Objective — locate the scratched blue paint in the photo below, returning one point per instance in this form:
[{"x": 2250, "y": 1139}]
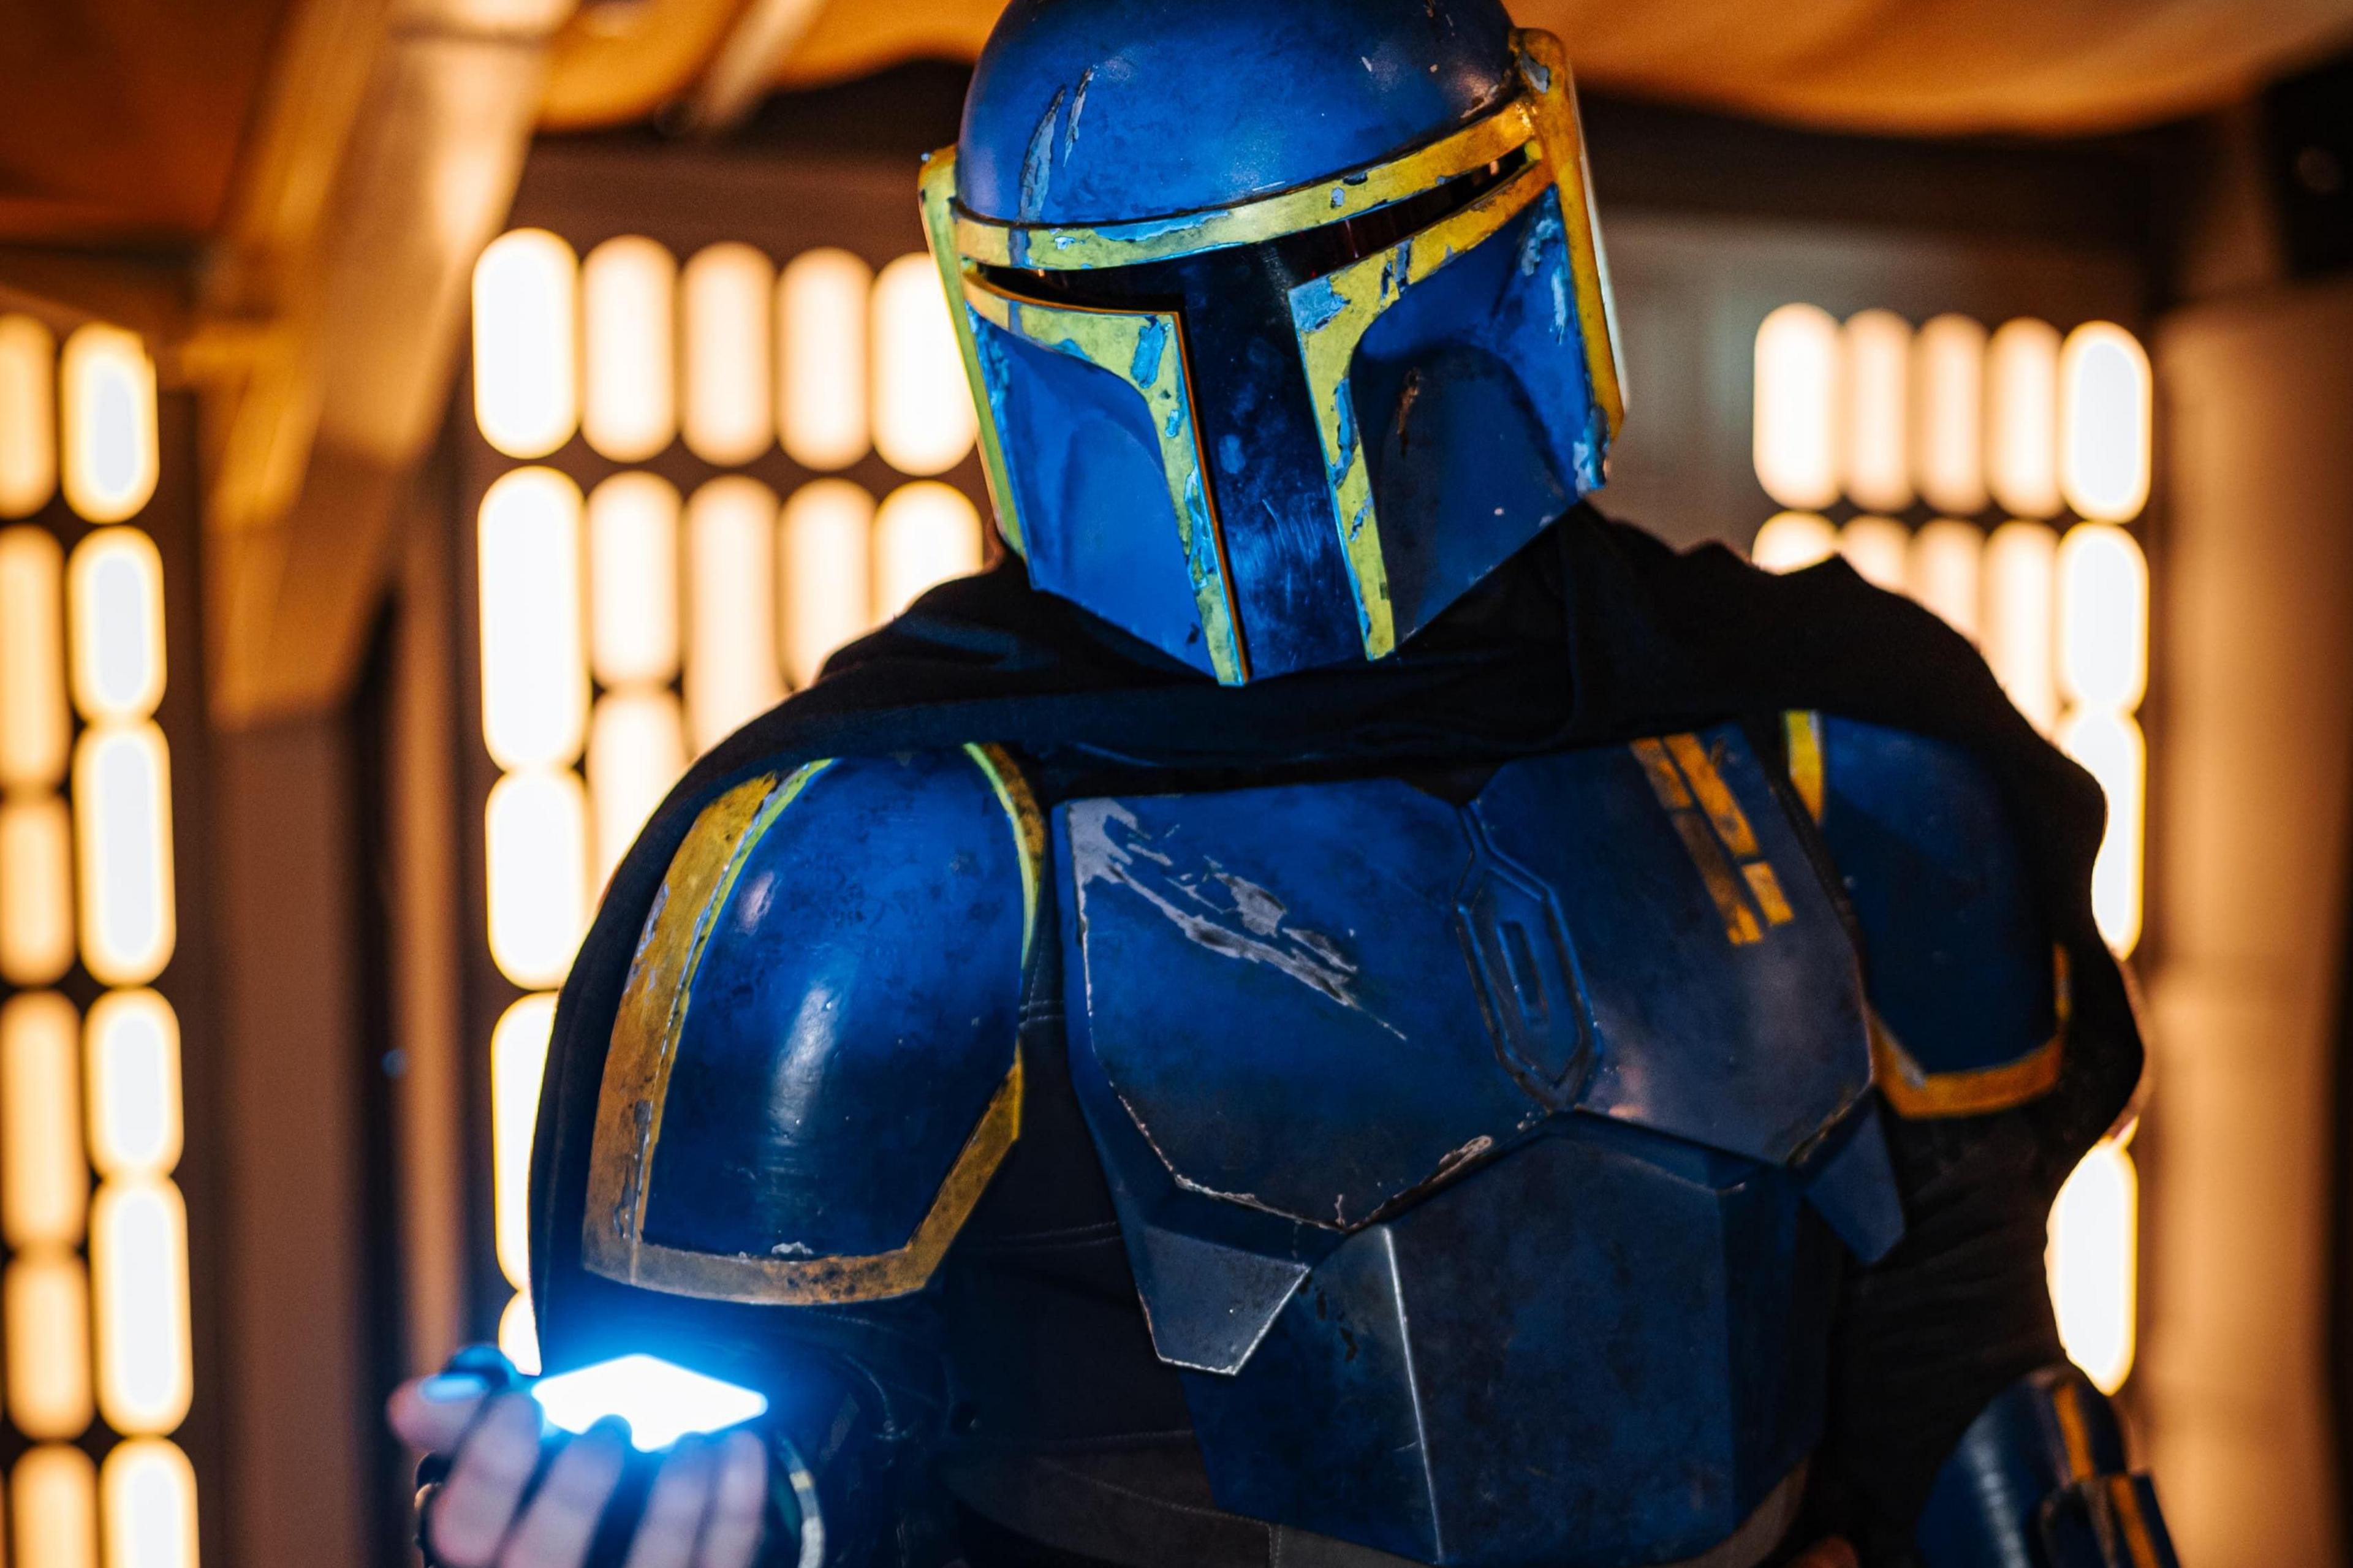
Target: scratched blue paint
[
  {"x": 1315, "y": 305},
  {"x": 1144, "y": 369},
  {"x": 1038, "y": 163},
  {"x": 1958, "y": 956},
  {"x": 766, "y": 1092},
  {"x": 1586, "y": 1171},
  {"x": 1202, "y": 110}
]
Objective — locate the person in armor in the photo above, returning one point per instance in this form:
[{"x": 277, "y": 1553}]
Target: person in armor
[{"x": 1334, "y": 1009}]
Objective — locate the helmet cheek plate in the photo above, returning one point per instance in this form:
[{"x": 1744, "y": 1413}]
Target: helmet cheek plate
[{"x": 1288, "y": 432}]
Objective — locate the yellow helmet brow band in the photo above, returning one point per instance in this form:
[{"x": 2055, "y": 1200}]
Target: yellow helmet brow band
[
  {"x": 936, "y": 194},
  {"x": 1051, "y": 249}
]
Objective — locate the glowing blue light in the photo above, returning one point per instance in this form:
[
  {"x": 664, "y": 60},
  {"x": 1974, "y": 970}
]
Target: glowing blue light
[{"x": 660, "y": 1401}]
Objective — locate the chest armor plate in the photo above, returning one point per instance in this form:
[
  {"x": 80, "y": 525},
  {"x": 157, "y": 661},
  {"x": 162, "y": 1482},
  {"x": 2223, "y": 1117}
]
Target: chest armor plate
[{"x": 1465, "y": 1153}]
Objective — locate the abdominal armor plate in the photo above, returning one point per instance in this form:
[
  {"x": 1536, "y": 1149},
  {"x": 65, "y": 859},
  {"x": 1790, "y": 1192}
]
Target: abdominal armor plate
[{"x": 1483, "y": 1165}]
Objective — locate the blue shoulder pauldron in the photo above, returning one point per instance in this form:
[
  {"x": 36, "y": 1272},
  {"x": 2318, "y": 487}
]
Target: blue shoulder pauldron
[
  {"x": 813, "y": 1072},
  {"x": 1968, "y": 992}
]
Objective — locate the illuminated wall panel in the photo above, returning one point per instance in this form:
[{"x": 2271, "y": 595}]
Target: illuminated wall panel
[
  {"x": 1879, "y": 549},
  {"x": 526, "y": 364},
  {"x": 1944, "y": 573},
  {"x": 1877, "y": 398},
  {"x": 924, "y": 533},
  {"x": 534, "y": 681},
  {"x": 94, "y": 1292},
  {"x": 2023, "y": 418},
  {"x": 518, "y": 1058},
  {"x": 827, "y": 560},
  {"x": 1948, "y": 415},
  {"x": 732, "y": 674},
  {"x": 924, "y": 421},
  {"x": 727, "y": 294},
  {"x": 2107, "y": 396},
  {"x": 537, "y": 828},
  {"x": 633, "y": 581},
  {"x": 2020, "y": 601},
  {"x": 1792, "y": 540},
  {"x": 629, "y": 408},
  {"x": 822, "y": 300},
  {"x": 1799, "y": 365},
  {"x": 637, "y": 749}
]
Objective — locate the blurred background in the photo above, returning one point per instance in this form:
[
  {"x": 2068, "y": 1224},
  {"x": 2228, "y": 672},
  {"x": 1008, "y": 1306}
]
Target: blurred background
[{"x": 426, "y": 424}]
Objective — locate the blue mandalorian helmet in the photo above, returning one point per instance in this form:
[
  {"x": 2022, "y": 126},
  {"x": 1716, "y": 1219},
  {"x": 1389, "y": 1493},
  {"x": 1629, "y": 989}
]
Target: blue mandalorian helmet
[{"x": 1286, "y": 319}]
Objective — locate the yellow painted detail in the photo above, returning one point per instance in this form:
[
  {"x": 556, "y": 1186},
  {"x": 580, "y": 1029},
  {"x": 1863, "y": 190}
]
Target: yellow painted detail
[
  {"x": 1560, "y": 129},
  {"x": 1714, "y": 795},
  {"x": 1740, "y": 927},
  {"x": 651, "y": 1020},
  {"x": 1109, "y": 341},
  {"x": 1767, "y": 886},
  {"x": 1005, "y": 776},
  {"x": 1918, "y": 1095},
  {"x": 2074, "y": 1436},
  {"x": 2125, "y": 1498},
  {"x": 936, "y": 188},
  {"x": 1665, "y": 782},
  {"x": 1805, "y": 732},
  {"x": 1362, "y": 291},
  {"x": 819, "y": 1281},
  {"x": 1049, "y": 249}
]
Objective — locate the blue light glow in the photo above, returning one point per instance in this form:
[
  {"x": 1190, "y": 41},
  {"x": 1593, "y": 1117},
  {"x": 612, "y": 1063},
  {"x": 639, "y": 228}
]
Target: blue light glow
[{"x": 660, "y": 1401}]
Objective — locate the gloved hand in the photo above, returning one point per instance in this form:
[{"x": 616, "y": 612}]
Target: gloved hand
[{"x": 496, "y": 1493}]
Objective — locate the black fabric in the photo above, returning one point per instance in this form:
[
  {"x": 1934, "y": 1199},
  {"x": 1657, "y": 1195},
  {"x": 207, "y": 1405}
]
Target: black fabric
[{"x": 1595, "y": 633}]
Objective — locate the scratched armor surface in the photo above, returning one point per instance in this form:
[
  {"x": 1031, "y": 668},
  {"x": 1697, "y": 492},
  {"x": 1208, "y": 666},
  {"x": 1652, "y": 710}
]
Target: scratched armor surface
[{"x": 1482, "y": 1164}]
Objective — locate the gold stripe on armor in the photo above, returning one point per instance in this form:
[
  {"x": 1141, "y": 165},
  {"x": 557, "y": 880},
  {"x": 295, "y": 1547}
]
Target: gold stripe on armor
[{"x": 1805, "y": 733}]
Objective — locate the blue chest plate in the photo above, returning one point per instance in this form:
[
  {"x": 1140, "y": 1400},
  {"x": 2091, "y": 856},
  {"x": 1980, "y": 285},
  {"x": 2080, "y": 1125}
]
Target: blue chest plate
[{"x": 1463, "y": 1152}]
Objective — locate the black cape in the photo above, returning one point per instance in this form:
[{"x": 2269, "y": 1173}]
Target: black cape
[{"x": 1611, "y": 635}]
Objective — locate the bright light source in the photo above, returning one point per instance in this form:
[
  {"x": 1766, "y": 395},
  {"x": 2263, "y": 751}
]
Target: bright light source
[
  {"x": 526, "y": 330},
  {"x": 730, "y": 657},
  {"x": 36, "y": 922},
  {"x": 924, "y": 421},
  {"x": 821, "y": 307},
  {"x": 519, "y": 1335},
  {"x": 2092, "y": 1262},
  {"x": 2110, "y": 748},
  {"x": 122, "y": 828},
  {"x": 28, "y": 416},
  {"x": 534, "y": 677},
  {"x": 661, "y": 1403},
  {"x": 109, "y": 387},
  {"x": 924, "y": 533},
  {"x": 827, "y": 591},
  {"x": 2020, "y": 567},
  {"x": 114, "y": 589},
  {"x": 2022, "y": 417},
  {"x": 1877, "y": 393},
  {"x": 1942, "y": 572},
  {"x": 1878, "y": 548},
  {"x": 637, "y": 750},
  {"x": 633, "y": 581},
  {"x": 1791, "y": 541},
  {"x": 48, "y": 1310},
  {"x": 628, "y": 406},
  {"x": 1798, "y": 366},
  {"x": 1948, "y": 415},
  {"x": 518, "y": 1058},
  {"x": 2105, "y": 395},
  {"x": 134, "y": 1084},
  {"x": 139, "y": 1264},
  {"x": 43, "y": 1185},
  {"x": 536, "y": 827},
  {"x": 34, "y": 729},
  {"x": 2103, "y": 618},
  {"x": 727, "y": 291},
  {"x": 53, "y": 1504},
  {"x": 147, "y": 1496}
]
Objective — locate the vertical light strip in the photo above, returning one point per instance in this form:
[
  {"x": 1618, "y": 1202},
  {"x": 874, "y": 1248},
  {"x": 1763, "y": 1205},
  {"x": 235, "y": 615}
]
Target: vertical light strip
[
  {"x": 732, "y": 674},
  {"x": 518, "y": 1057},
  {"x": 28, "y": 416},
  {"x": 726, "y": 293},
  {"x": 2095, "y": 1266},
  {"x": 633, "y": 581},
  {"x": 37, "y": 917},
  {"x": 139, "y": 1268},
  {"x": 44, "y": 1181},
  {"x": 628, "y": 406},
  {"x": 826, "y": 557},
  {"x": 2102, "y": 670},
  {"x": 36, "y": 731},
  {"x": 822, "y": 302},
  {"x": 1798, "y": 397},
  {"x": 1944, "y": 573},
  {"x": 114, "y": 591},
  {"x": 536, "y": 863},
  {"x": 107, "y": 384},
  {"x": 924, "y": 533},
  {"x": 1948, "y": 415},
  {"x": 48, "y": 1306},
  {"x": 132, "y": 1064},
  {"x": 923, "y": 420},
  {"x": 534, "y": 681},
  {"x": 637, "y": 750},
  {"x": 147, "y": 1500},
  {"x": 2023, "y": 418},
  {"x": 2106, "y": 401},
  {"x": 1879, "y": 549},
  {"x": 1877, "y": 390},
  {"x": 2020, "y": 562},
  {"x": 53, "y": 1508},
  {"x": 526, "y": 342},
  {"x": 122, "y": 831}
]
